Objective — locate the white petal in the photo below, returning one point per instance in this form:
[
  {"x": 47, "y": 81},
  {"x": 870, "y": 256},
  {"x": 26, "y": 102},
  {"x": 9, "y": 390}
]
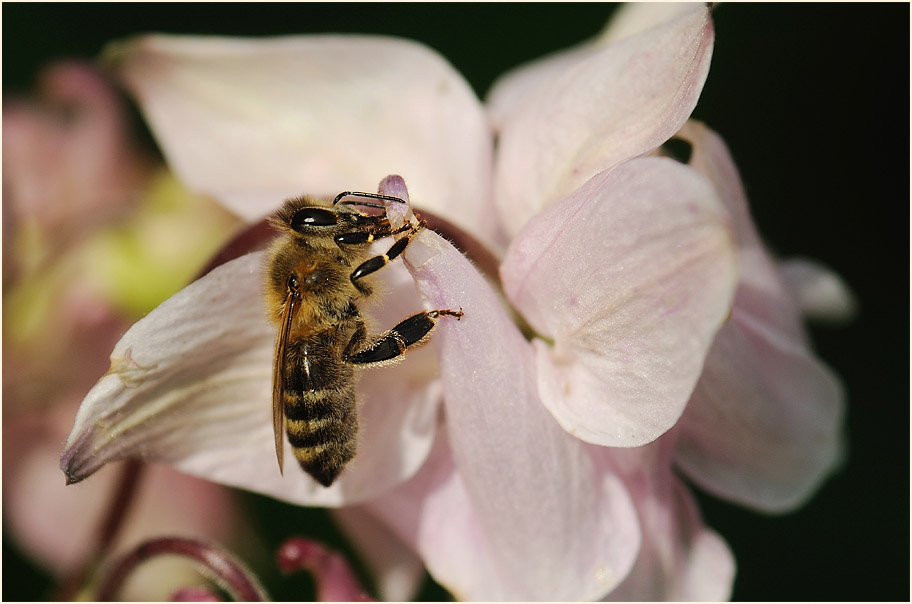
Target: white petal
[
  {"x": 190, "y": 385},
  {"x": 631, "y": 277},
  {"x": 253, "y": 121},
  {"x": 617, "y": 102}
]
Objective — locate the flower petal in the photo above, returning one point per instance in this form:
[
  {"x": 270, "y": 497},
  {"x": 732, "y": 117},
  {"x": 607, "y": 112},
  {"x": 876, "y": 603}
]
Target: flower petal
[
  {"x": 439, "y": 517},
  {"x": 620, "y": 101},
  {"x": 706, "y": 572},
  {"x": 764, "y": 426},
  {"x": 632, "y": 18},
  {"x": 190, "y": 385},
  {"x": 769, "y": 301},
  {"x": 257, "y": 120},
  {"x": 820, "y": 293},
  {"x": 514, "y": 88},
  {"x": 522, "y": 510},
  {"x": 680, "y": 559},
  {"x": 631, "y": 276}
]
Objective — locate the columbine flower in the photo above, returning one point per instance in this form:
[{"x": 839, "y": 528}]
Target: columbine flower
[{"x": 624, "y": 266}]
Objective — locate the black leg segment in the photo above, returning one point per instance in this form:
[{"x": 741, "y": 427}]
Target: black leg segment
[
  {"x": 369, "y": 233},
  {"x": 377, "y": 262},
  {"x": 410, "y": 332}
]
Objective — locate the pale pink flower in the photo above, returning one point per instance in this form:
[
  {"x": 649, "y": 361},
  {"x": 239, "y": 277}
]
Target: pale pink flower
[{"x": 499, "y": 473}]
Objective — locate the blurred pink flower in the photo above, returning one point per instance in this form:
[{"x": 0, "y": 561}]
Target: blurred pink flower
[
  {"x": 68, "y": 167},
  {"x": 71, "y": 173},
  {"x": 496, "y": 465},
  {"x": 69, "y": 163}
]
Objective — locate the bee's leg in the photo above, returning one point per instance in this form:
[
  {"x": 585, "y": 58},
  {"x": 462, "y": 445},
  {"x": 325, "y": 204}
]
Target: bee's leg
[
  {"x": 357, "y": 341},
  {"x": 370, "y": 232},
  {"x": 408, "y": 333},
  {"x": 374, "y": 264}
]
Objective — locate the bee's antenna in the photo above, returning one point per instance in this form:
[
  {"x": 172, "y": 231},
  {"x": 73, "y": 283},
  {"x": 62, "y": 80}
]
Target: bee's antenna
[{"x": 367, "y": 204}]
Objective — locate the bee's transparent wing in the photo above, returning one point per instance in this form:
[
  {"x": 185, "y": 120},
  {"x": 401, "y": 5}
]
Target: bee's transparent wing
[{"x": 278, "y": 379}]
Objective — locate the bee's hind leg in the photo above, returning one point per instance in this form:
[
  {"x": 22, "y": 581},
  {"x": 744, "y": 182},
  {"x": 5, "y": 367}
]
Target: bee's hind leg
[{"x": 408, "y": 333}]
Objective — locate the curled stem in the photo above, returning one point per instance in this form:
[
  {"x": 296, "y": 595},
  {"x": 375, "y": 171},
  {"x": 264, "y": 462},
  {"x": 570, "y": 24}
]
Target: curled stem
[
  {"x": 194, "y": 594},
  {"x": 217, "y": 564}
]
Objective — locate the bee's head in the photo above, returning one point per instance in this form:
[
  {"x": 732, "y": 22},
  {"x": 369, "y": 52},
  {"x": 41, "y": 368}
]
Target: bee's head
[{"x": 309, "y": 217}]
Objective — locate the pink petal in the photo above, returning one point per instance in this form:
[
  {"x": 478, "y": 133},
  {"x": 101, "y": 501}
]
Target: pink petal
[
  {"x": 706, "y": 572},
  {"x": 619, "y": 101},
  {"x": 530, "y": 513},
  {"x": 514, "y": 88},
  {"x": 680, "y": 559},
  {"x": 251, "y": 121},
  {"x": 764, "y": 426},
  {"x": 556, "y": 557},
  {"x": 820, "y": 293},
  {"x": 769, "y": 300},
  {"x": 632, "y": 18},
  {"x": 631, "y": 277},
  {"x": 190, "y": 385}
]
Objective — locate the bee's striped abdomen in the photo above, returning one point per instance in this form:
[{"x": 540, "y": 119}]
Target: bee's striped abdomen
[{"x": 320, "y": 410}]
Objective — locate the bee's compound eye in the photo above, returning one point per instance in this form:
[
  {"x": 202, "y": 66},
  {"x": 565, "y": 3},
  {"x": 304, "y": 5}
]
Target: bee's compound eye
[
  {"x": 306, "y": 217},
  {"x": 293, "y": 283}
]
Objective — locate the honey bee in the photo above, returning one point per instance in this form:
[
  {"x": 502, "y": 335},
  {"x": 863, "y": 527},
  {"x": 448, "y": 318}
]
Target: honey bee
[{"x": 316, "y": 276}]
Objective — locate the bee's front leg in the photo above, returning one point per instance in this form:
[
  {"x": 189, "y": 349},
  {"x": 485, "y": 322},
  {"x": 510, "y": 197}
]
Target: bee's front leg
[
  {"x": 369, "y": 230},
  {"x": 374, "y": 264}
]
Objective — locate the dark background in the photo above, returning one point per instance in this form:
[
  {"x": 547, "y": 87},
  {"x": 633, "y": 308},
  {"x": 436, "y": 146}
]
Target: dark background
[{"x": 813, "y": 101}]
